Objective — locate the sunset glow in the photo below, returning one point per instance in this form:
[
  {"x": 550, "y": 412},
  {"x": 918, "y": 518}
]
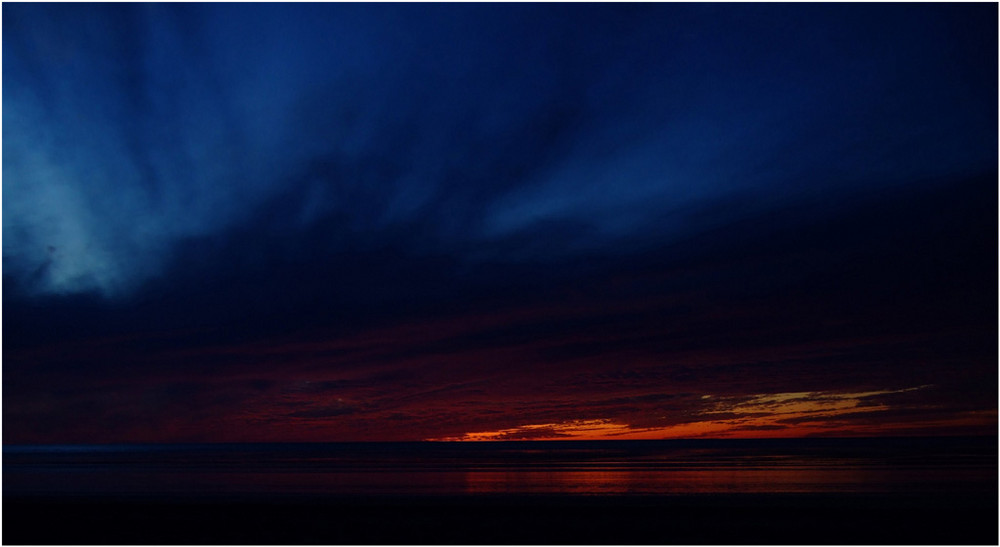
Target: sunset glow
[
  {"x": 769, "y": 415},
  {"x": 325, "y": 222}
]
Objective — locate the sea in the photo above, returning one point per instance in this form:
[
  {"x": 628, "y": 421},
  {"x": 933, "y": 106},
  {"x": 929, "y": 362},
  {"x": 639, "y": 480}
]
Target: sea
[
  {"x": 942, "y": 489},
  {"x": 521, "y": 467}
]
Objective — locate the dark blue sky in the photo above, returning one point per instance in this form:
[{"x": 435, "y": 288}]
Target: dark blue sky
[{"x": 195, "y": 176}]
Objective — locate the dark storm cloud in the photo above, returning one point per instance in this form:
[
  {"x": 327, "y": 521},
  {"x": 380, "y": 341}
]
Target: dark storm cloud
[{"x": 328, "y": 132}]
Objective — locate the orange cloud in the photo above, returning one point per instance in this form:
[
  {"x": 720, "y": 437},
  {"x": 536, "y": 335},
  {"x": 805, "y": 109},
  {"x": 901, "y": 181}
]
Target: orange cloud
[{"x": 762, "y": 415}]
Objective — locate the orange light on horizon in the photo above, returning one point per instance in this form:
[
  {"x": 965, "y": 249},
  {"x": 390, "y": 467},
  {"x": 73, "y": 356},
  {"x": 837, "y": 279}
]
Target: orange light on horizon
[{"x": 773, "y": 415}]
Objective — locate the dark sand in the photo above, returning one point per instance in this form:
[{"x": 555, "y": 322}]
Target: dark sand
[{"x": 498, "y": 519}]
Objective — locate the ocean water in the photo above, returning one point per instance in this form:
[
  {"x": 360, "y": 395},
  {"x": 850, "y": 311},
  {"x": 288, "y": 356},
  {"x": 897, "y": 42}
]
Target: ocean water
[{"x": 674, "y": 467}]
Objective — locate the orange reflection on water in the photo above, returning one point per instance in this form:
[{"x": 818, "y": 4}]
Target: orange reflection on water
[{"x": 668, "y": 481}]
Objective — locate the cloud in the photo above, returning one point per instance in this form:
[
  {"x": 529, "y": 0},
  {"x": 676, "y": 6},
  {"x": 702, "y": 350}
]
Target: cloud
[
  {"x": 133, "y": 130},
  {"x": 577, "y": 429},
  {"x": 778, "y": 414},
  {"x": 322, "y": 412},
  {"x": 496, "y": 218}
]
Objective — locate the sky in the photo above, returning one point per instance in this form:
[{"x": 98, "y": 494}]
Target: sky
[{"x": 395, "y": 222}]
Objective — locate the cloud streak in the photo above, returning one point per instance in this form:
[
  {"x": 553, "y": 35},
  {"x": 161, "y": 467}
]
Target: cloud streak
[{"x": 778, "y": 414}]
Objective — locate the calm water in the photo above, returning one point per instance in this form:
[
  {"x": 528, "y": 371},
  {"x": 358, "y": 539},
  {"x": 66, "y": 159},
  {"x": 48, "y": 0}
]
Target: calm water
[{"x": 585, "y": 468}]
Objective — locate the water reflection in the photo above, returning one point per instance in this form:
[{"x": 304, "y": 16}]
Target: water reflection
[
  {"x": 671, "y": 481},
  {"x": 535, "y": 468}
]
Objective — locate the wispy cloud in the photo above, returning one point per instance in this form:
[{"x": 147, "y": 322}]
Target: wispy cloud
[
  {"x": 134, "y": 129},
  {"x": 778, "y": 414}
]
